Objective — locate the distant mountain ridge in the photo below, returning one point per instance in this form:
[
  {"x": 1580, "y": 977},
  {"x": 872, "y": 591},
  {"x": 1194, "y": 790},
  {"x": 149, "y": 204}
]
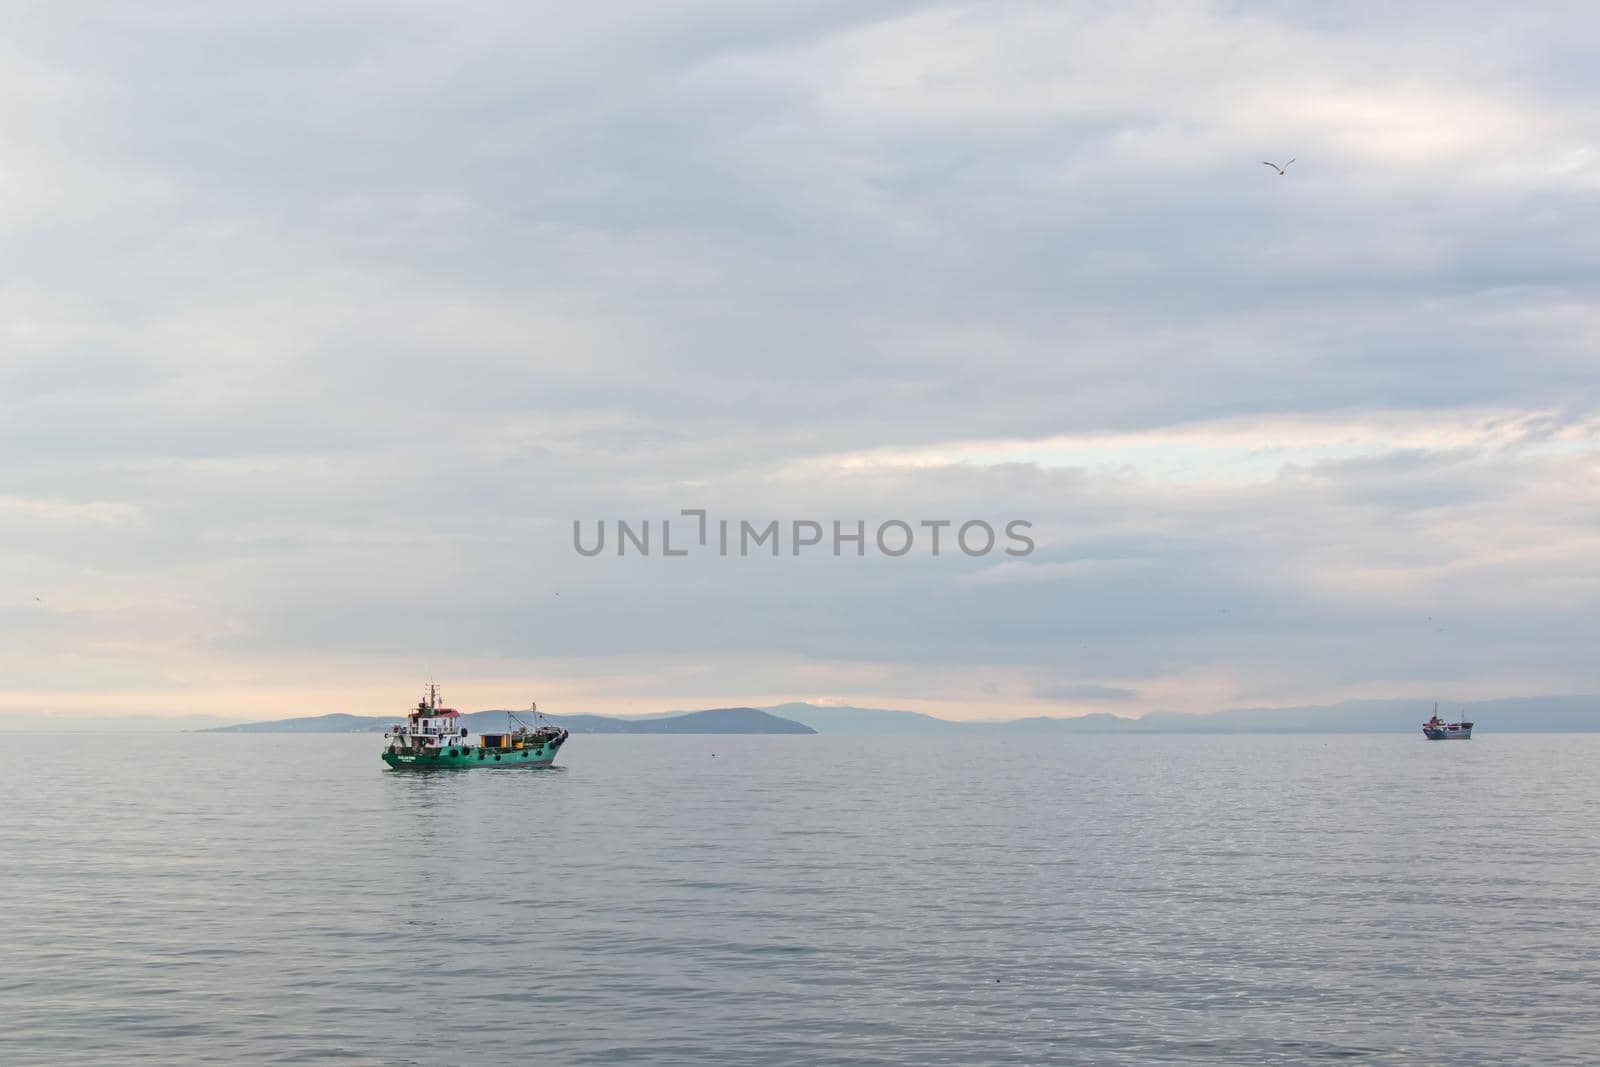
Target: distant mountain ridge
[
  {"x": 1553, "y": 714},
  {"x": 709, "y": 721}
]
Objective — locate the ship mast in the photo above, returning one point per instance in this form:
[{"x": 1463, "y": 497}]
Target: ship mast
[{"x": 533, "y": 708}]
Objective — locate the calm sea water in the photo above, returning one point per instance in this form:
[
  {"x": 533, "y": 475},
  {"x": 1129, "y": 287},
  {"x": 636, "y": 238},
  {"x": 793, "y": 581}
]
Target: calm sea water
[{"x": 260, "y": 900}]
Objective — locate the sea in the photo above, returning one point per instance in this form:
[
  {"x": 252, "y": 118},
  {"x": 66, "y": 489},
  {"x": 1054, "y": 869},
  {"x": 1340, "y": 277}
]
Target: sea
[{"x": 259, "y": 899}]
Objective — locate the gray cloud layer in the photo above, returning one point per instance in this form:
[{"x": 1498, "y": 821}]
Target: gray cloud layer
[{"x": 321, "y": 324}]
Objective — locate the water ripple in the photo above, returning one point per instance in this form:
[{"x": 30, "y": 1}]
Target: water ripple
[{"x": 267, "y": 900}]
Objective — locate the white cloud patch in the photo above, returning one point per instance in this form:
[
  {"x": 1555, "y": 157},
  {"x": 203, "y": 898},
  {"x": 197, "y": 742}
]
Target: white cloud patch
[
  {"x": 51, "y": 511},
  {"x": 1248, "y": 450}
]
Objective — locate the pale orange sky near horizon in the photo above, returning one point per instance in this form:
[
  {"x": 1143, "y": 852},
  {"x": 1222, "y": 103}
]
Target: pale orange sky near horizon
[{"x": 287, "y": 701}]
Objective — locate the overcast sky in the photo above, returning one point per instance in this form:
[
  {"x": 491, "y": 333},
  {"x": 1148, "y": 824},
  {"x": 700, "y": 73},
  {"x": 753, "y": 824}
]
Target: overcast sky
[{"x": 320, "y": 323}]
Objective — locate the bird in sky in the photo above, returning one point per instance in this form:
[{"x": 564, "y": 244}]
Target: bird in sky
[{"x": 1277, "y": 168}]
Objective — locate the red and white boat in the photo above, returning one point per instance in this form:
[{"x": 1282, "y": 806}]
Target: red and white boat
[{"x": 1436, "y": 729}]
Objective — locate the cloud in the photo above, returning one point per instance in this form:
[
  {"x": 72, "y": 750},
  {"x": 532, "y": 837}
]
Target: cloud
[
  {"x": 320, "y": 326},
  {"x": 1252, "y": 449},
  {"x": 1084, "y": 691},
  {"x": 54, "y": 511}
]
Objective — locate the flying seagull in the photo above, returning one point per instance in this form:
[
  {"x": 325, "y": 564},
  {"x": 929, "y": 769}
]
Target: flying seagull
[{"x": 1277, "y": 168}]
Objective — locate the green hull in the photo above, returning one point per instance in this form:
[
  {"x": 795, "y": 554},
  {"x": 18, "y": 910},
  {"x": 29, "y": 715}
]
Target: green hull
[{"x": 473, "y": 756}]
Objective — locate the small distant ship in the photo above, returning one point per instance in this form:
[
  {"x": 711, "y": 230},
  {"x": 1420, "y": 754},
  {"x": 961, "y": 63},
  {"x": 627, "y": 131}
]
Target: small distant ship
[
  {"x": 431, "y": 737},
  {"x": 1436, "y": 729}
]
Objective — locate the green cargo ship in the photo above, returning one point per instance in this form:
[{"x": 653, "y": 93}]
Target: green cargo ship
[{"x": 432, "y": 737}]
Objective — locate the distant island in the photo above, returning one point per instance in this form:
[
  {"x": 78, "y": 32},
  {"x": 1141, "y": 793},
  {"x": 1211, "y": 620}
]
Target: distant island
[
  {"x": 1552, "y": 714},
  {"x": 709, "y": 721},
  {"x": 1545, "y": 714}
]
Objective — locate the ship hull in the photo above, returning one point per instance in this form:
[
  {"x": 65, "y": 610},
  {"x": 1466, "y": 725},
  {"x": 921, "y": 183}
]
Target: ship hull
[
  {"x": 463, "y": 756},
  {"x": 1448, "y": 735}
]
